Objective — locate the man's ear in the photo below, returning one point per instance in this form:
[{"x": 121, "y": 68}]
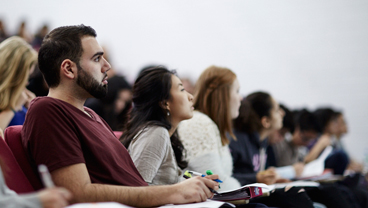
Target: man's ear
[
  {"x": 266, "y": 122},
  {"x": 69, "y": 69}
]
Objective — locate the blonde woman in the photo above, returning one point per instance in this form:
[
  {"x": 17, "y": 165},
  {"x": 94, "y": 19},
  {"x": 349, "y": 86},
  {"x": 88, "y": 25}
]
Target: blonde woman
[{"x": 17, "y": 62}]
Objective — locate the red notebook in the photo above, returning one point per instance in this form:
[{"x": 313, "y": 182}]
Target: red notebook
[{"x": 243, "y": 193}]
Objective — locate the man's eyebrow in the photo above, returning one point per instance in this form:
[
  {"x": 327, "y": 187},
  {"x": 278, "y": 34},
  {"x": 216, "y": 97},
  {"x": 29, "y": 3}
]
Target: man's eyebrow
[
  {"x": 180, "y": 84},
  {"x": 98, "y": 54}
]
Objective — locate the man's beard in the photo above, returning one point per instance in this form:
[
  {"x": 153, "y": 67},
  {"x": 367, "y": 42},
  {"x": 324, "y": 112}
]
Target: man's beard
[{"x": 91, "y": 85}]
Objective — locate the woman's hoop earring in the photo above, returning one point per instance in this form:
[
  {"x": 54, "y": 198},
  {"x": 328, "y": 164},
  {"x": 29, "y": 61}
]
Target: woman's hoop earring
[{"x": 168, "y": 113}]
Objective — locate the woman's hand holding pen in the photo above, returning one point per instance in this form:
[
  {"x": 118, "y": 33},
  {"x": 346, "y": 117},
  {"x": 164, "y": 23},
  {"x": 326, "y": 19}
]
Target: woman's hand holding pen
[
  {"x": 214, "y": 178},
  {"x": 190, "y": 174}
]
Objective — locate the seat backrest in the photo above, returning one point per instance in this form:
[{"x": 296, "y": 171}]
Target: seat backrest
[
  {"x": 15, "y": 179},
  {"x": 13, "y": 138}
]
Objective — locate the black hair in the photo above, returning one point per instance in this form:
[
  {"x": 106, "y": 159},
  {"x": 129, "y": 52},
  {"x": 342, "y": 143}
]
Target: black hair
[
  {"x": 306, "y": 121},
  {"x": 324, "y": 116},
  {"x": 148, "y": 67},
  {"x": 60, "y": 44},
  {"x": 116, "y": 83},
  {"x": 252, "y": 109},
  {"x": 288, "y": 120},
  {"x": 150, "y": 90}
]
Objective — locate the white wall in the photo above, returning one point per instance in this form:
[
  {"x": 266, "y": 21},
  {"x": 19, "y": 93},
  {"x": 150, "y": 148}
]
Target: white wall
[{"x": 305, "y": 53}]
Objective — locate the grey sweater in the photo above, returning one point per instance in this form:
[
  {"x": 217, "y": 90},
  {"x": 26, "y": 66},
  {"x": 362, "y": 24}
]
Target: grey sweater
[{"x": 154, "y": 157}]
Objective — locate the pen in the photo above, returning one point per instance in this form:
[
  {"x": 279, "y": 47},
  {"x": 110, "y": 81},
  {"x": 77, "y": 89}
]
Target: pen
[
  {"x": 45, "y": 176},
  {"x": 202, "y": 175},
  {"x": 209, "y": 172},
  {"x": 188, "y": 175}
]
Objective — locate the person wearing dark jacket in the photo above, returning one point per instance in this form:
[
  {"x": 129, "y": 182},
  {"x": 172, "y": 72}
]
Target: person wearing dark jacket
[
  {"x": 259, "y": 116},
  {"x": 247, "y": 162}
]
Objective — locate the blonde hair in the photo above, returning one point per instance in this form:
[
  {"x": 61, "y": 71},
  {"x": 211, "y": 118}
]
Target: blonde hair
[
  {"x": 212, "y": 97},
  {"x": 16, "y": 59}
]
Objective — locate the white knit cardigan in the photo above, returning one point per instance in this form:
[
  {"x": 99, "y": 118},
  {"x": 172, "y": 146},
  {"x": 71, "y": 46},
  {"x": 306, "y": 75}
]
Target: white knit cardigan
[{"x": 202, "y": 141}]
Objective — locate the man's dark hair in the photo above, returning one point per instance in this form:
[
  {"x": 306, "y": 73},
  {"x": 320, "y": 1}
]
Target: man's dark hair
[
  {"x": 306, "y": 121},
  {"x": 60, "y": 44}
]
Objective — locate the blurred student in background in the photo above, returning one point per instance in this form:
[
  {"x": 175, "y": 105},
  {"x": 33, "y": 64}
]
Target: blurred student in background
[
  {"x": 260, "y": 115},
  {"x": 24, "y": 33},
  {"x": 3, "y": 33},
  {"x": 17, "y": 62},
  {"x": 40, "y": 35},
  {"x": 338, "y": 159},
  {"x": 299, "y": 129},
  {"x": 342, "y": 129},
  {"x": 188, "y": 84}
]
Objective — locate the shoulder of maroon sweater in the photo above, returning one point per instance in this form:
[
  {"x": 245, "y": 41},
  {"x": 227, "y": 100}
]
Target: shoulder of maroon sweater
[{"x": 42, "y": 102}]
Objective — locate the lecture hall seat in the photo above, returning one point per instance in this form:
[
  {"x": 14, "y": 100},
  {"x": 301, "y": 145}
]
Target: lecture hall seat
[
  {"x": 13, "y": 143},
  {"x": 13, "y": 138},
  {"x": 15, "y": 179}
]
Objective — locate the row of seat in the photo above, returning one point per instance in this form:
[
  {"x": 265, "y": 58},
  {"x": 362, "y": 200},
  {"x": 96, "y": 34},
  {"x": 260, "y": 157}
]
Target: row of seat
[{"x": 19, "y": 175}]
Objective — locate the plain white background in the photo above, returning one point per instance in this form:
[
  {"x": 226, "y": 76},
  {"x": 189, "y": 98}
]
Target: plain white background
[{"x": 306, "y": 53}]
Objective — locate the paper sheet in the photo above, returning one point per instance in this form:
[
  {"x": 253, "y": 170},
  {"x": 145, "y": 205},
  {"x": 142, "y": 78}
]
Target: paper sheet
[
  {"x": 264, "y": 187},
  {"x": 295, "y": 183},
  {"x": 317, "y": 166},
  {"x": 287, "y": 172},
  {"x": 99, "y": 205},
  {"x": 207, "y": 204}
]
